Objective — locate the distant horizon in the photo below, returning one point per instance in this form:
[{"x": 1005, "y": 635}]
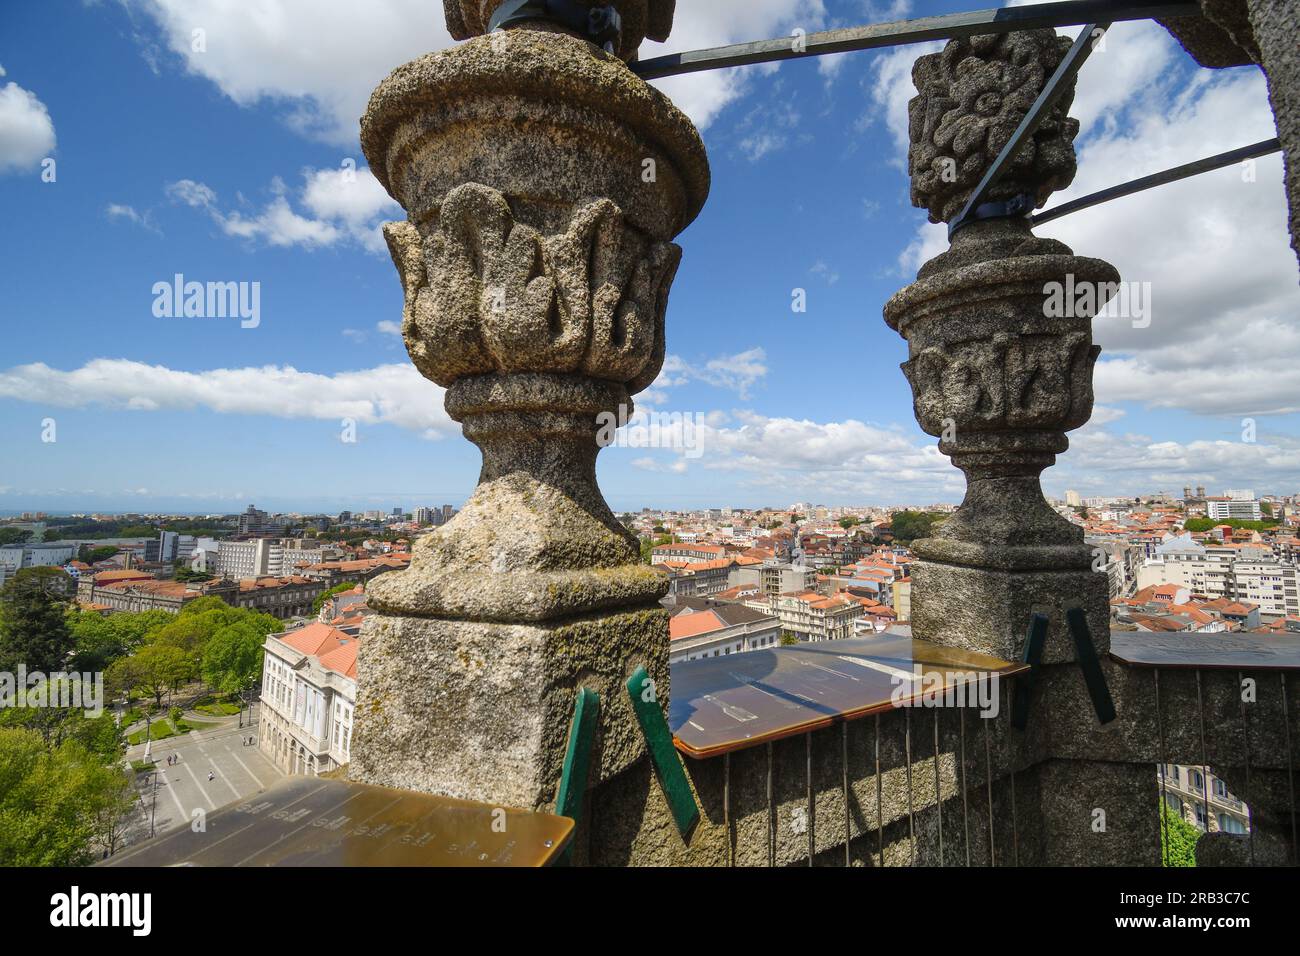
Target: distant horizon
[{"x": 278, "y": 506}]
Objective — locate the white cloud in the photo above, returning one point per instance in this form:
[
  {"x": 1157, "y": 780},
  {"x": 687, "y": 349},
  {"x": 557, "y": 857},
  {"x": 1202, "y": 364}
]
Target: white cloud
[
  {"x": 393, "y": 394},
  {"x": 320, "y": 59},
  {"x": 737, "y": 373},
  {"x": 26, "y": 130},
  {"x": 142, "y": 219},
  {"x": 342, "y": 205}
]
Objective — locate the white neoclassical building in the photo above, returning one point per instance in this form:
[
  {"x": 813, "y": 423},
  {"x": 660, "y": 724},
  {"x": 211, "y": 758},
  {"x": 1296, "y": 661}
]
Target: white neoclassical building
[{"x": 309, "y": 687}]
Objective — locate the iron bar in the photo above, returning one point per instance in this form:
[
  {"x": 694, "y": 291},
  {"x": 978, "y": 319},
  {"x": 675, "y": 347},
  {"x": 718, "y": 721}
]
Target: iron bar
[
  {"x": 844, "y": 768},
  {"x": 1052, "y": 91},
  {"x": 1245, "y": 736},
  {"x": 1209, "y": 163},
  {"x": 812, "y": 808},
  {"x": 965, "y": 808},
  {"x": 1290, "y": 768},
  {"x": 988, "y": 767},
  {"x": 771, "y": 812},
  {"x": 880, "y": 812},
  {"x": 726, "y": 808},
  {"x": 1068, "y": 13},
  {"x": 938, "y": 790},
  {"x": 1205, "y": 769},
  {"x": 1015, "y": 825},
  {"x": 907, "y": 750},
  {"x": 1164, "y": 762}
]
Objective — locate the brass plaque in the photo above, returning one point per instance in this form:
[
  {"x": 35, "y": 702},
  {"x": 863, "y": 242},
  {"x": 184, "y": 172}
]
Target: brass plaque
[
  {"x": 1231, "y": 650},
  {"x": 720, "y": 704},
  {"x": 309, "y": 821}
]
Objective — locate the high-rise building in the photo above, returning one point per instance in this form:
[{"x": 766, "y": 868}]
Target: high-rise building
[{"x": 1072, "y": 499}]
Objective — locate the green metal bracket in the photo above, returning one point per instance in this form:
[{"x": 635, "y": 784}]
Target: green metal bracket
[
  {"x": 577, "y": 760},
  {"x": 659, "y": 741},
  {"x": 1033, "y": 656},
  {"x": 1091, "y": 667}
]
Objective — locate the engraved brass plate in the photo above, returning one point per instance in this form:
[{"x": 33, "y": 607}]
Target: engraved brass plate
[
  {"x": 720, "y": 704},
  {"x": 309, "y": 821}
]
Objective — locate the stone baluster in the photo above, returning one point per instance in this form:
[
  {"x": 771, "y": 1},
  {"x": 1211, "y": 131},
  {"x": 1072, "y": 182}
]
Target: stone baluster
[
  {"x": 543, "y": 183},
  {"x": 1000, "y": 360}
]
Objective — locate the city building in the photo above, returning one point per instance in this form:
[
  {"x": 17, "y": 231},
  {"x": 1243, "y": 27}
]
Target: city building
[
  {"x": 1202, "y": 799},
  {"x": 701, "y": 628},
  {"x": 1227, "y": 508},
  {"x": 309, "y": 689}
]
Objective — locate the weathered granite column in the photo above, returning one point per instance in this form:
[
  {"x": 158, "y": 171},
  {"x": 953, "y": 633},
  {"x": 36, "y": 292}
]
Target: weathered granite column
[
  {"x": 543, "y": 183},
  {"x": 1000, "y": 363}
]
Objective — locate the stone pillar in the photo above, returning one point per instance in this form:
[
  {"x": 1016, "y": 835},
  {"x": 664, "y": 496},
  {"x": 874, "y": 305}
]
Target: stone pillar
[
  {"x": 1000, "y": 360},
  {"x": 1000, "y": 367},
  {"x": 543, "y": 183}
]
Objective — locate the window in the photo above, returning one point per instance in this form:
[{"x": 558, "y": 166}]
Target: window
[
  {"x": 1229, "y": 824},
  {"x": 1200, "y": 816}
]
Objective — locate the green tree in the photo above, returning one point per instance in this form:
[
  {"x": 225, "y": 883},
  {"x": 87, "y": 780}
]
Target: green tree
[
  {"x": 848, "y": 521},
  {"x": 788, "y": 639},
  {"x": 14, "y": 535},
  {"x": 159, "y": 668},
  {"x": 58, "y": 807},
  {"x": 1178, "y": 838},
  {"x": 907, "y": 526},
  {"x": 232, "y": 659},
  {"x": 100, "y": 640},
  {"x": 33, "y": 620}
]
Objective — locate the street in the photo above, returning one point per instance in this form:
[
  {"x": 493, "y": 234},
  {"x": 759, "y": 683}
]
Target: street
[{"x": 184, "y": 788}]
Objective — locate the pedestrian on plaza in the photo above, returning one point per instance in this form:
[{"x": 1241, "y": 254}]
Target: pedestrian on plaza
[{"x": 211, "y": 776}]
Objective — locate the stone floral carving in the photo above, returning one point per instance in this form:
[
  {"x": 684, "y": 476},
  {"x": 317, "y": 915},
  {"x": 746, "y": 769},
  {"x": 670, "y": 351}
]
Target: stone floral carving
[
  {"x": 971, "y": 98},
  {"x": 485, "y": 293}
]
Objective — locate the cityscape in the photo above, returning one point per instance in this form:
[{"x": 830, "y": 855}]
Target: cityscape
[{"x": 611, "y": 435}]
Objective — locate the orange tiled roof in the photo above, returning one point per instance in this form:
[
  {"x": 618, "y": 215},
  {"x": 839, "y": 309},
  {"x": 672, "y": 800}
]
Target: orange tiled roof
[{"x": 693, "y": 624}]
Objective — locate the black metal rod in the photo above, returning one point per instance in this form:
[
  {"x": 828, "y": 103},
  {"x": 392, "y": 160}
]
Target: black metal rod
[
  {"x": 880, "y": 811},
  {"x": 907, "y": 750},
  {"x": 965, "y": 806},
  {"x": 900, "y": 32},
  {"x": 844, "y": 768},
  {"x": 1209, "y": 163},
  {"x": 1245, "y": 739},
  {"x": 1052, "y": 91},
  {"x": 1164, "y": 761},
  {"x": 1290, "y": 769},
  {"x": 988, "y": 767},
  {"x": 1205, "y": 767},
  {"x": 771, "y": 812},
  {"x": 938, "y": 790},
  {"x": 812, "y": 807},
  {"x": 726, "y": 808}
]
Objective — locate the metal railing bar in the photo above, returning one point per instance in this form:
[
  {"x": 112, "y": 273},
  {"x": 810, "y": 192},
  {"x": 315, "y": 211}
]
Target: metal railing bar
[
  {"x": 1164, "y": 762},
  {"x": 880, "y": 812},
  {"x": 1205, "y": 769},
  {"x": 988, "y": 771},
  {"x": 1172, "y": 175},
  {"x": 1245, "y": 735},
  {"x": 907, "y": 750},
  {"x": 844, "y": 768},
  {"x": 965, "y": 807},
  {"x": 771, "y": 812},
  {"x": 1067, "y": 13},
  {"x": 726, "y": 808},
  {"x": 1052, "y": 91},
  {"x": 1290, "y": 769},
  {"x": 812, "y": 808},
  {"x": 938, "y": 790},
  {"x": 1015, "y": 825}
]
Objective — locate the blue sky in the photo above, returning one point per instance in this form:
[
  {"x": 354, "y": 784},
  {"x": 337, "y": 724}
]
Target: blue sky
[{"x": 226, "y": 164}]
